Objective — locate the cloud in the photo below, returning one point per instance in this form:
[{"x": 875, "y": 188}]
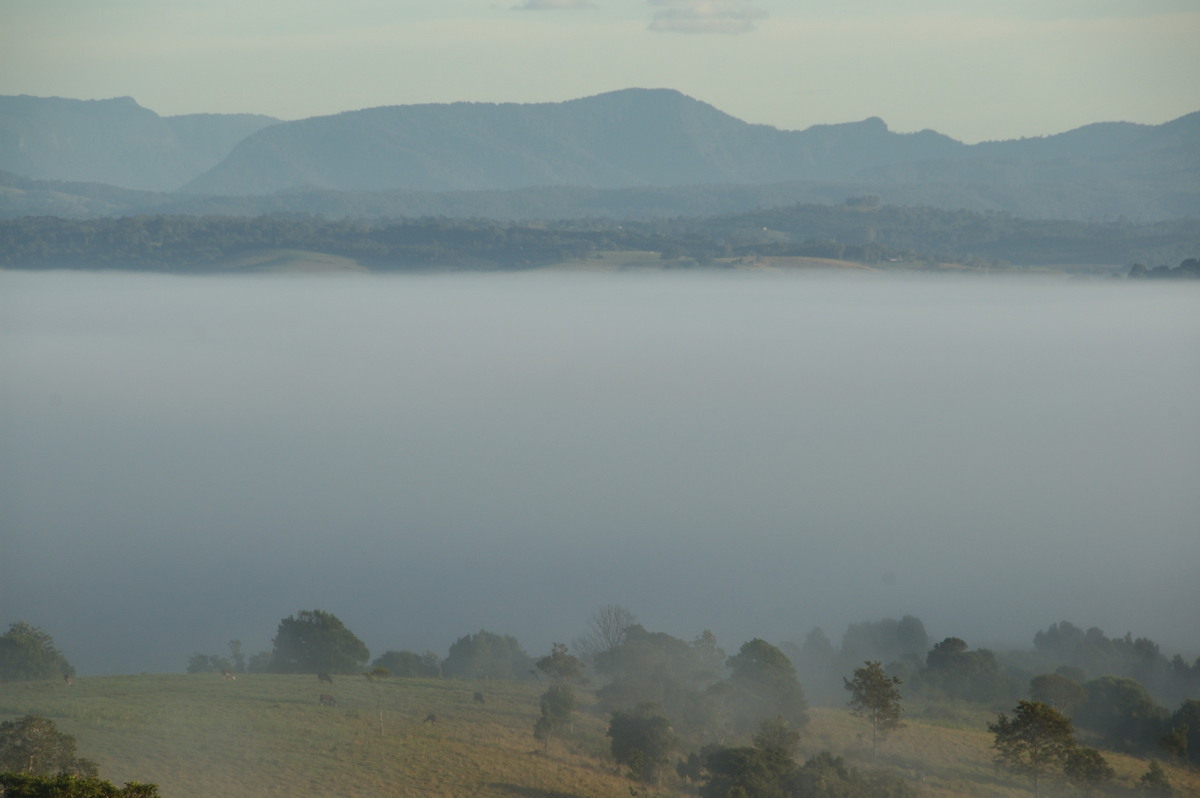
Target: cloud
[
  {"x": 552, "y": 5},
  {"x": 704, "y": 16}
]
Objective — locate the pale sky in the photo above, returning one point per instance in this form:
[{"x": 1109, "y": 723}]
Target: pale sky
[{"x": 972, "y": 69}]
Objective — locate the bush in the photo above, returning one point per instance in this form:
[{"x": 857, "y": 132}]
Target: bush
[{"x": 24, "y": 785}]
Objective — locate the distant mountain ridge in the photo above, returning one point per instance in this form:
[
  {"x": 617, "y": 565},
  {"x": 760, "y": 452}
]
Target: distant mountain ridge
[
  {"x": 629, "y": 152},
  {"x": 633, "y": 137},
  {"x": 114, "y": 141}
]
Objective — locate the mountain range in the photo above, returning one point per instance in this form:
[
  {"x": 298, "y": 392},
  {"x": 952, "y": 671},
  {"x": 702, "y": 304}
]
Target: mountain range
[{"x": 633, "y": 152}]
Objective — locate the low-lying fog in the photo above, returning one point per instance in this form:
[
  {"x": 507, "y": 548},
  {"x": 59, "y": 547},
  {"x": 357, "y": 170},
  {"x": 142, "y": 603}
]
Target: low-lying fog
[{"x": 187, "y": 460}]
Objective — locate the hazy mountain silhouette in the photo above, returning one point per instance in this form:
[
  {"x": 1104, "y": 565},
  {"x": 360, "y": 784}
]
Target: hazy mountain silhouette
[
  {"x": 625, "y": 154},
  {"x": 634, "y": 137},
  {"x": 114, "y": 141}
]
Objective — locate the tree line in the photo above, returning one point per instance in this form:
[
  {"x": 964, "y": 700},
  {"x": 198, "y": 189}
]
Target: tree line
[
  {"x": 733, "y": 721},
  {"x": 876, "y": 234}
]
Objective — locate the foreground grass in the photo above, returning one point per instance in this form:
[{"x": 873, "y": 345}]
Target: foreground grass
[{"x": 268, "y": 735}]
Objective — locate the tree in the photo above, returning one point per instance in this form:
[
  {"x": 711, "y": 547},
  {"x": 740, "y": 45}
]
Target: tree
[
  {"x": 559, "y": 701},
  {"x": 207, "y": 663},
  {"x": 874, "y": 696},
  {"x": 1121, "y": 712},
  {"x": 559, "y": 665},
  {"x": 764, "y": 685},
  {"x": 641, "y": 740},
  {"x": 409, "y": 664},
  {"x": 28, "y": 654},
  {"x": 557, "y": 704},
  {"x": 606, "y": 631},
  {"x": 829, "y": 776},
  {"x": 1087, "y": 769},
  {"x": 1058, "y": 691},
  {"x": 886, "y": 640},
  {"x": 33, "y": 744},
  {"x": 487, "y": 655},
  {"x": 238, "y": 657},
  {"x": 1183, "y": 735},
  {"x": 971, "y": 675},
  {"x": 750, "y": 772},
  {"x": 313, "y": 641},
  {"x": 1034, "y": 742},
  {"x": 775, "y": 735},
  {"x": 1155, "y": 782},
  {"x": 673, "y": 674}
]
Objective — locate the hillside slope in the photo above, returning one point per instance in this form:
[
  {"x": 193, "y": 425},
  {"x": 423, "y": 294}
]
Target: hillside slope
[
  {"x": 633, "y": 137},
  {"x": 114, "y": 141},
  {"x": 262, "y": 735}
]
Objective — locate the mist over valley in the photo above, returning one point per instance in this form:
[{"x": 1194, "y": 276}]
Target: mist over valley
[{"x": 189, "y": 459}]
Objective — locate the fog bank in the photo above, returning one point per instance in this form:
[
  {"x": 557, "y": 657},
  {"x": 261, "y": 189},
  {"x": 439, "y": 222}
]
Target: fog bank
[{"x": 186, "y": 460}]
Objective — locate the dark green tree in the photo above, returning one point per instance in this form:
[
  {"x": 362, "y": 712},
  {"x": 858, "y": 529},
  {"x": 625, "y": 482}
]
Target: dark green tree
[
  {"x": 1058, "y": 691},
  {"x": 829, "y": 776},
  {"x": 886, "y": 640},
  {"x": 776, "y": 735},
  {"x": 409, "y": 664},
  {"x": 1183, "y": 731},
  {"x": 1087, "y": 769},
  {"x": 764, "y": 685},
  {"x": 1121, "y": 712},
  {"x": 817, "y": 667},
  {"x": 561, "y": 666},
  {"x": 961, "y": 673},
  {"x": 1155, "y": 782},
  {"x": 1035, "y": 742},
  {"x": 28, "y": 654},
  {"x": 313, "y": 641},
  {"x": 641, "y": 740},
  {"x": 875, "y": 697},
  {"x": 33, "y": 744},
  {"x": 487, "y": 655},
  {"x": 673, "y": 674},
  {"x": 557, "y": 704},
  {"x": 748, "y": 771}
]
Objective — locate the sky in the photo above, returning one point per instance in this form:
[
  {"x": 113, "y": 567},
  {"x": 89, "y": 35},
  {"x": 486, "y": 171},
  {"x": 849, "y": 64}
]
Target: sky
[{"x": 974, "y": 70}]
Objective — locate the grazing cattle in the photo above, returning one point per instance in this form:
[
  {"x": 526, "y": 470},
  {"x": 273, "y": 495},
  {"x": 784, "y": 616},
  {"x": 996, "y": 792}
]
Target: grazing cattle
[
  {"x": 228, "y": 674},
  {"x": 370, "y": 676},
  {"x": 431, "y": 719},
  {"x": 324, "y": 677},
  {"x": 479, "y": 698},
  {"x": 327, "y": 700},
  {"x": 68, "y": 679}
]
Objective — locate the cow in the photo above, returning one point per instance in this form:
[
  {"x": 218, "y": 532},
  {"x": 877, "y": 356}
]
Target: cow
[
  {"x": 479, "y": 698},
  {"x": 327, "y": 700},
  {"x": 228, "y": 675},
  {"x": 324, "y": 677},
  {"x": 431, "y": 719},
  {"x": 68, "y": 679},
  {"x": 370, "y": 676}
]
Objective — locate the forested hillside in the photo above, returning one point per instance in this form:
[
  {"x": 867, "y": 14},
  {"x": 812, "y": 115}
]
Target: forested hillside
[{"x": 859, "y": 231}]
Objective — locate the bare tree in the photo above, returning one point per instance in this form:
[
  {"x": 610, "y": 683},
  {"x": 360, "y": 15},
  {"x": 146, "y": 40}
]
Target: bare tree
[{"x": 606, "y": 630}]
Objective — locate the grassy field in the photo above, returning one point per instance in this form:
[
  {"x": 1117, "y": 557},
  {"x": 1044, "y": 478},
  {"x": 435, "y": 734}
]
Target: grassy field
[{"x": 268, "y": 735}]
